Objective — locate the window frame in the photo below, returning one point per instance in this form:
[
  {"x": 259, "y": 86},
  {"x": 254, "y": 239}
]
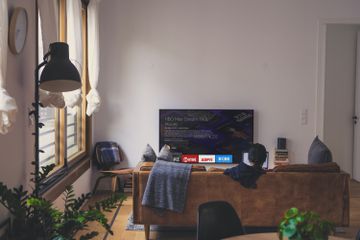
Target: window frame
[{"x": 70, "y": 169}]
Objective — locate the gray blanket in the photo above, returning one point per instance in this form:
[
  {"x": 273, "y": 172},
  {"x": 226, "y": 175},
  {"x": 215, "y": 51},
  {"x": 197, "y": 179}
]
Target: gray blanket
[{"x": 167, "y": 186}]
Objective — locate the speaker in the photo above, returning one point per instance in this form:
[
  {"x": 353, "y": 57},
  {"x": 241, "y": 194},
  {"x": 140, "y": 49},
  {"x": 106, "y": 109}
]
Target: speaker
[{"x": 281, "y": 143}]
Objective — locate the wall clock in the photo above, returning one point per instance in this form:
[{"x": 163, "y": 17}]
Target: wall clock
[{"x": 18, "y": 30}]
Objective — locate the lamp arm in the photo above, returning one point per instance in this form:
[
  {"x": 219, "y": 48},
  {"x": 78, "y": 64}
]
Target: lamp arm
[
  {"x": 40, "y": 66},
  {"x": 46, "y": 56}
]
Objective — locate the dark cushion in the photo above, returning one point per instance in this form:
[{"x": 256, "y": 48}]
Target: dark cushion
[
  {"x": 165, "y": 154},
  {"x": 319, "y": 152},
  {"x": 149, "y": 154},
  {"x": 325, "y": 167},
  {"x": 107, "y": 154}
]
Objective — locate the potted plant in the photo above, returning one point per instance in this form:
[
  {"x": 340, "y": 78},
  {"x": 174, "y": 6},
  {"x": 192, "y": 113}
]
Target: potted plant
[
  {"x": 35, "y": 218},
  {"x": 306, "y": 225}
]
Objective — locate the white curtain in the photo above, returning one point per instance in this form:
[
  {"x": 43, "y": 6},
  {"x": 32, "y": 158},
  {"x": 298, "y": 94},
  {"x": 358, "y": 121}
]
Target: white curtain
[
  {"x": 8, "y": 107},
  {"x": 48, "y": 31},
  {"x": 74, "y": 39},
  {"x": 48, "y": 10},
  {"x": 93, "y": 98}
]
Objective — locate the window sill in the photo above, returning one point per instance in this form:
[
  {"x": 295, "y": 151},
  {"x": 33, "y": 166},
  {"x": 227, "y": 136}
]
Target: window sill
[{"x": 69, "y": 176}]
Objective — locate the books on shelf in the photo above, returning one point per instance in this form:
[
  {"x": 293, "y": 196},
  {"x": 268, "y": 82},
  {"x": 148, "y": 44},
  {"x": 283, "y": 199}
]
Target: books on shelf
[
  {"x": 281, "y": 157},
  {"x": 278, "y": 163}
]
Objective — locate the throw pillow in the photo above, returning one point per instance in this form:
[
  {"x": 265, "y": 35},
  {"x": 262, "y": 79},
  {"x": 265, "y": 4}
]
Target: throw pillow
[
  {"x": 165, "y": 154},
  {"x": 107, "y": 154},
  {"x": 319, "y": 152},
  {"x": 149, "y": 154}
]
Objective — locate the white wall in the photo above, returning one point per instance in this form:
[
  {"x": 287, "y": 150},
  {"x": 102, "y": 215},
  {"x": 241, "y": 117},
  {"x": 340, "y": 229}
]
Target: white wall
[
  {"x": 256, "y": 54},
  {"x": 82, "y": 185},
  {"x": 340, "y": 92},
  {"x": 15, "y": 160}
]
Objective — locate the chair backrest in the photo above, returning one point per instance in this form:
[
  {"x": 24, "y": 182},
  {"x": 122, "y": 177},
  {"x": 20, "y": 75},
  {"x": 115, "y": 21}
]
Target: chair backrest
[
  {"x": 217, "y": 220},
  {"x": 106, "y": 154}
]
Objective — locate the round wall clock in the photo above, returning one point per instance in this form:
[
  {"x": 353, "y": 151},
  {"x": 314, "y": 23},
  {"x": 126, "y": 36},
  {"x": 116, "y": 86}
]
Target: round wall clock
[{"x": 18, "y": 30}]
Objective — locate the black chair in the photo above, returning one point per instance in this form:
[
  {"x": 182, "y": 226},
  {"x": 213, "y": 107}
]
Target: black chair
[
  {"x": 358, "y": 235},
  {"x": 217, "y": 220}
]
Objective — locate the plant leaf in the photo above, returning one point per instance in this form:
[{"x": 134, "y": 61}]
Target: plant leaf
[{"x": 292, "y": 212}]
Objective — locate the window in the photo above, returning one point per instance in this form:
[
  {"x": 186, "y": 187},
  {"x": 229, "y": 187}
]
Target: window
[
  {"x": 73, "y": 138},
  {"x": 63, "y": 137},
  {"x": 48, "y": 116},
  {"x": 47, "y": 137}
]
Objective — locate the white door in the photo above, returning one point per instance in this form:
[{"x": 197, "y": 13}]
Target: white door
[
  {"x": 356, "y": 159},
  {"x": 339, "y": 93}
]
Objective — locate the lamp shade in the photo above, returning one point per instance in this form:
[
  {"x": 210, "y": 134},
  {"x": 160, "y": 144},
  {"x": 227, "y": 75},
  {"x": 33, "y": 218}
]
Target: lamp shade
[{"x": 59, "y": 74}]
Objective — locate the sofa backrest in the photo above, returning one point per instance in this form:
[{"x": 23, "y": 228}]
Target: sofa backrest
[
  {"x": 325, "y": 193},
  {"x": 323, "y": 167}
]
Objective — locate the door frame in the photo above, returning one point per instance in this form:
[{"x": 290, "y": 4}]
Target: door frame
[
  {"x": 356, "y": 152},
  {"x": 320, "y": 83},
  {"x": 321, "y": 60}
]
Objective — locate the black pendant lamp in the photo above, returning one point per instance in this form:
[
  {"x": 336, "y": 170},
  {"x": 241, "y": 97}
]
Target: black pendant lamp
[{"x": 59, "y": 74}]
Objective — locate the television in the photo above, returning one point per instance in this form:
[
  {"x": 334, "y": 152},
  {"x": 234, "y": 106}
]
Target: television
[{"x": 206, "y": 135}]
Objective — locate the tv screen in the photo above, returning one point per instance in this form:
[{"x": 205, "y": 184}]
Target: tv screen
[{"x": 207, "y": 136}]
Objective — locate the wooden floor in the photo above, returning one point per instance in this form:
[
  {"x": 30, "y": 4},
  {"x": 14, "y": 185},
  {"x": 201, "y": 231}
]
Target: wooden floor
[{"x": 122, "y": 218}]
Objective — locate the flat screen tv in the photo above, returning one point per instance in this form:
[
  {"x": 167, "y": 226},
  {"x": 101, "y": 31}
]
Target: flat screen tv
[{"x": 207, "y": 136}]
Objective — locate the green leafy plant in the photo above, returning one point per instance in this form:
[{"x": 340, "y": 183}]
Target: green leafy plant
[
  {"x": 28, "y": 222},
  {"x": 306, "y": 225},
  {"x": 36, "y": 218}
]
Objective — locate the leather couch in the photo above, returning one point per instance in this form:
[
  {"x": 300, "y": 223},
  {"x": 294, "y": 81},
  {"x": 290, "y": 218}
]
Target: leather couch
[{"x": 323, "y": 191}]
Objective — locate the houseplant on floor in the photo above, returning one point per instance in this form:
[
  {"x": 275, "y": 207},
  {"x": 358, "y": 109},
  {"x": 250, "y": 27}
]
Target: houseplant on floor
[
  {"x": 306, "y": 225},
  {"x": 35, "y": 218}
]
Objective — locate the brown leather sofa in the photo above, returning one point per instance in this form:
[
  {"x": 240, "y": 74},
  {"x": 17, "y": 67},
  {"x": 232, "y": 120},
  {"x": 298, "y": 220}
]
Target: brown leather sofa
[{"x": 323, "y": 191}]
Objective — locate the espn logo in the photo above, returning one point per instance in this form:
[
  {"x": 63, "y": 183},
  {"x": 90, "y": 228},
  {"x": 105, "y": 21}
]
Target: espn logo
[
  {"x": 189, "y": 158},
  {"x": 206, "y": 158}
]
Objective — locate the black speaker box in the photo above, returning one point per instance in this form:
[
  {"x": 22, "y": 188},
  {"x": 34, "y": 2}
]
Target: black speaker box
[{"x": 281, "y": 143}]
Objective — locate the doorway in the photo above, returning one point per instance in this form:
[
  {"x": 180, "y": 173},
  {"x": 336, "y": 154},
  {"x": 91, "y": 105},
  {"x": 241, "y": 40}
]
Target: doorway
[{"x": 340, "y": 74}]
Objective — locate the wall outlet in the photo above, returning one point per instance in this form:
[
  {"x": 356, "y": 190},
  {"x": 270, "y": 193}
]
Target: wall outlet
[{"x": 304, "y": 117}]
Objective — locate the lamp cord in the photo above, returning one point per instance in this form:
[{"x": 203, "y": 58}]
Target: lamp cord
[{"x": 37, "y": 127}]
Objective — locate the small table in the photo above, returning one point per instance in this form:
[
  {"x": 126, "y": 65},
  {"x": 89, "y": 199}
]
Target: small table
[
  {"x": 268, "y": 236},
  {"x": 113, "y": 174}
]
